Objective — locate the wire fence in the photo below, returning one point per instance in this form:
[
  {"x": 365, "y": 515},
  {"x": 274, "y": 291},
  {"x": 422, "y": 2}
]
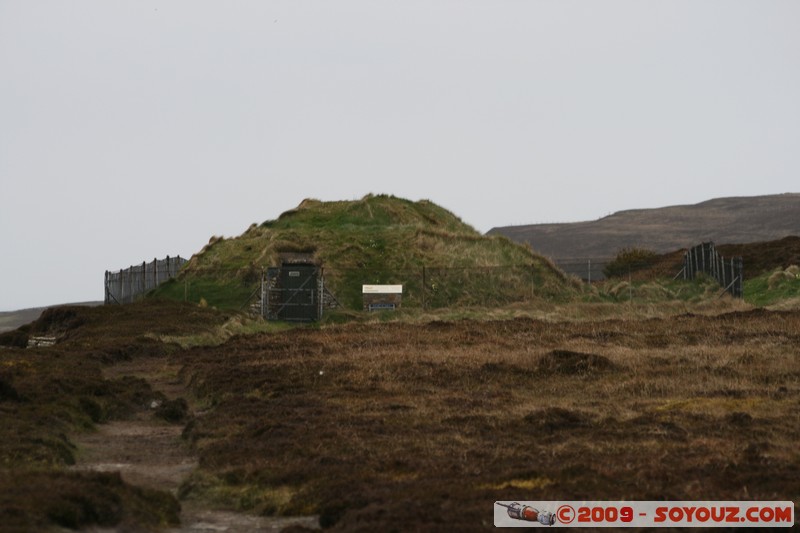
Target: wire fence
[
  {"x": 263, "y": 292},
  {"x": 124, "y": 286},
  {"x": 423, "y": 287},
  {"x": 588, "y": 269},
  {"x": 704, "y": 258},
  {"x": 700, "y": 259}
]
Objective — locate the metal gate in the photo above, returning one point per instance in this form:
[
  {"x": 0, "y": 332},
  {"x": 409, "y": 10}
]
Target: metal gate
[{"x": 293, "y": 292}]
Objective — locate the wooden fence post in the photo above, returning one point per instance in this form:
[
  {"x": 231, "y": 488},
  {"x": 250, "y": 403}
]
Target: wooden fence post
[{"x": 423, "y": 286}]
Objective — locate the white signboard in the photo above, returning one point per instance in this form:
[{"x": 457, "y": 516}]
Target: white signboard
[{"x": 382, "y": 289}]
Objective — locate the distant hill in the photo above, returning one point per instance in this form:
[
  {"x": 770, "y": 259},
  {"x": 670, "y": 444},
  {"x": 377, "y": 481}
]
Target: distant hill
[
  {"x": 737, "y": 220},
  {"x": 13, "y": 319},
  {"x": 10, "y": 320}
]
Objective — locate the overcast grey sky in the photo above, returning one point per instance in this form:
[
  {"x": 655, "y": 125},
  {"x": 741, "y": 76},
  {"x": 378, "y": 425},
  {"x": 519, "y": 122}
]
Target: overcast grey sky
[{"x": 136, "y": 129}]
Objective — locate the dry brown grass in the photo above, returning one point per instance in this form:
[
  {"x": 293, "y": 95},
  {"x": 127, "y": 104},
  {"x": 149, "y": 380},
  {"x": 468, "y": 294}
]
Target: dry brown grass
[
  {"x": 381, "y": 424},
  {"x": 47, "y": 394},
  {"x": 422, "y": 426}
]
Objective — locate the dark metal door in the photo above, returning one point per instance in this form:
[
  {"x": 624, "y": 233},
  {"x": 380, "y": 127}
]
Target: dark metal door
[{"x": 298, "y": 289}]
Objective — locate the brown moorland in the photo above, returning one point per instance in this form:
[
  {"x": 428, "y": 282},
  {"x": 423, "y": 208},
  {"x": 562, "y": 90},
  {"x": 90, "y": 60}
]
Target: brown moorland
[
  {"x": 410, "y": 427},
  {"x": 50, "y": 394},
  {"x": 422, "y": 427}
]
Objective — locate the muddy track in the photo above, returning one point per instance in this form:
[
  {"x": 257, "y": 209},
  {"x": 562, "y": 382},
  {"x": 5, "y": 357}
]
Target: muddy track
[{"x": 149, "y": 452}]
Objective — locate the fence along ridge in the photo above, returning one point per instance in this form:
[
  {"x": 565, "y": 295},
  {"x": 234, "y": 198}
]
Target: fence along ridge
[
  {"x": 705, "y": 258},
  {"x": 124, "y": 286}
]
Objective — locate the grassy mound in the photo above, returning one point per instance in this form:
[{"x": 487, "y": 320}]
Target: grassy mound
[{"x": 439, "y": 259}]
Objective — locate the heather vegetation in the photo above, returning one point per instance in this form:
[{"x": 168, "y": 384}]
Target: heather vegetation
[
  {"x": 48, "y": 394},
  {"x": 638, "y": 387},
  {"x": 374, "y": 426},
  {"x": 366, "y": 425},
  {"x": 629, "y": 260}
]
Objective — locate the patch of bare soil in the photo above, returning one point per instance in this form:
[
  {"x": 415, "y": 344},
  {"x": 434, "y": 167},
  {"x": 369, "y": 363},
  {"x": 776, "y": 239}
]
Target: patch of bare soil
[
  {"x": 146, "y": 452},
  {"x": 149, "y": 452}
]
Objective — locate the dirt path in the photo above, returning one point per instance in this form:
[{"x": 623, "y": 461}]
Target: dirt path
[{"x": 149, "y": 452}]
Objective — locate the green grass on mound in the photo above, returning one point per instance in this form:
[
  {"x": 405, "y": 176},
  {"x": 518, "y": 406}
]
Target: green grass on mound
[
  {"x": 440, "y": 260},
  {"x": 771, "y": 288}
]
